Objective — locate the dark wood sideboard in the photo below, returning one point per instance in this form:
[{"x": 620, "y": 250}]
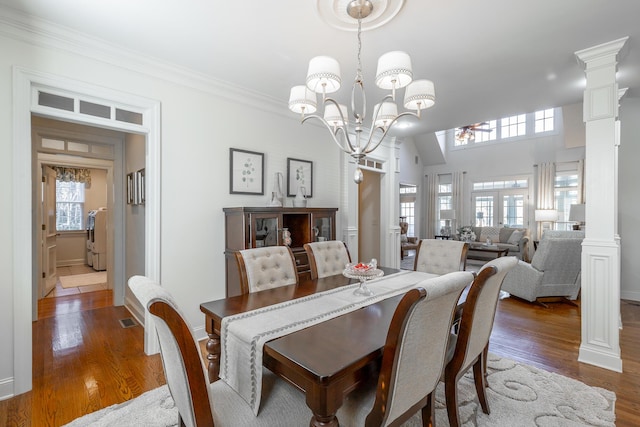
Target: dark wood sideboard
[{"x": 254, "y": 227}]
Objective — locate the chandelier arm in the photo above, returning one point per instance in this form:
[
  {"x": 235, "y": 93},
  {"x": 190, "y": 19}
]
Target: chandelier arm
[
  {"x": 367, "y": 149},
  {"x": 333, "y": 134}
]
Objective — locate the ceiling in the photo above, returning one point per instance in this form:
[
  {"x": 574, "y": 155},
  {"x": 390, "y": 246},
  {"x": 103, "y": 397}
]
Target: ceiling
[{"x": 487, "y": 59}]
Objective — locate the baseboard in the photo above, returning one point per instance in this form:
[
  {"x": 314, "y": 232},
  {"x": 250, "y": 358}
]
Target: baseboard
[
  {"x": 630, "y": 295},
  {"x": 71, "y": 262},
  {"x": 6, "y": 388},
  {"x": 135, "y": 309}
]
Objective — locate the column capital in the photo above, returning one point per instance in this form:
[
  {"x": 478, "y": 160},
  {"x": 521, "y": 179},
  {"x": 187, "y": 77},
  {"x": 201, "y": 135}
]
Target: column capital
[{"x": 601, "y": 54}]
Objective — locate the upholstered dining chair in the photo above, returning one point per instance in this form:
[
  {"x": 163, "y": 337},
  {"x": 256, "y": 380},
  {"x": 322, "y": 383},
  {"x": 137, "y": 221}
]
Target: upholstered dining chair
[
  {"x": 327, "y": 258},
  {"x": 437, "y": 256},
  {"x": 266, "y": 268},
  {"x": 413, "y": 357},
  {"x": 199, "y": 402},
  {"x": 469, "y": 346}
]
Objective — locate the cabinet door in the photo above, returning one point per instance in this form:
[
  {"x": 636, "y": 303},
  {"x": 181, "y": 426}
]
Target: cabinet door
[
  {"x": 264, "y": 230},
  {"x": 323, "y": 226}
]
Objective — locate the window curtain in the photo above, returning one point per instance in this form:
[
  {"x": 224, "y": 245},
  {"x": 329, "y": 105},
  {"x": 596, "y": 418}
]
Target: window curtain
[
  {"x": 457, "y": 198},
  {"x": 73, "y": 174},
  {"x": 581, "y": 198},
  {"x": 432, "y": 205},
  {"x": 546, "y": 189}
]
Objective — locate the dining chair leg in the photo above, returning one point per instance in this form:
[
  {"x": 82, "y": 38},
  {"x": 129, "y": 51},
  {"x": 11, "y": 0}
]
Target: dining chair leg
[
  {"x": 479, "y": 380},
  {"x": 429, "y": 411},
  {"x": 451, "y": 397}
]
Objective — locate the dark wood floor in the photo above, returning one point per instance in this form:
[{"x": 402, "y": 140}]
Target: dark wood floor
[{"x": 84, "y": 360}]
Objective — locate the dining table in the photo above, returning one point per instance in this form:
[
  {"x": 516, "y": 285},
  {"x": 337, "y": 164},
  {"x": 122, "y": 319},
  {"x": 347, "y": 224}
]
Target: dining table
[{"x": 327, "y": 360}]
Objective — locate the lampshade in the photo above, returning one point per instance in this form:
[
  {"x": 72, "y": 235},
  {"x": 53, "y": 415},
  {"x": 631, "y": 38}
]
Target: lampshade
[
  {"x": 394, "y": 70},
  {"x": 302, "y": 100},
  {"x": 420, "y": 94},
  {"x": 576, "y": 212},
  {"x": 323, "y": 75},
  {"x": 447, "y": 214},
  {"x": 332, "y": 114},
  {"x": 386, "y": 114},
  {"x": 544, "y": 215}
]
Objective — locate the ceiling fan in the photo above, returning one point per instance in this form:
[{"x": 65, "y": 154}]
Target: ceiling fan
[{"x": 466, "y": 133}]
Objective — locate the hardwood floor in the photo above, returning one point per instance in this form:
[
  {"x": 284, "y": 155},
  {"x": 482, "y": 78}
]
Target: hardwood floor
[{"x": 84, "y": 360}]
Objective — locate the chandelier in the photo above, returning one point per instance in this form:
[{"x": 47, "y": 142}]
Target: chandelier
[{"x": 394, "y": 72}]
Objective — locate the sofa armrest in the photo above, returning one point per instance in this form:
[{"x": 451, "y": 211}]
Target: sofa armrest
[
  {"x": 524, "y": 248},
  {"x": 523, "y": 281}
]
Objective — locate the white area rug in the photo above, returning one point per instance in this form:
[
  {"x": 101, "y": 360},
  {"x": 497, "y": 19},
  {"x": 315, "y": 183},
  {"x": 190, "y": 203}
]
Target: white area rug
[
  {"x": 519, "y": 395},
  {"x": 78, "y": 280}
]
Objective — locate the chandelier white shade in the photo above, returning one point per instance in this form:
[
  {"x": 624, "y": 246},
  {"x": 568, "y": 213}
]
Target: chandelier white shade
[{"x": 394, "y": 72}]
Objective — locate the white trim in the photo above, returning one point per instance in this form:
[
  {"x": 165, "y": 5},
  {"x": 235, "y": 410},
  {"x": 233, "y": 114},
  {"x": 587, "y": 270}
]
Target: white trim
[{"x": 23, "y": 267}]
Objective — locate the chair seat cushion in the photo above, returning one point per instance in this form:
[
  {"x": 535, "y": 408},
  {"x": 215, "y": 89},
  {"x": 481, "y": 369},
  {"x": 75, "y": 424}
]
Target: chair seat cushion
[{"x": 281, "y": 404}]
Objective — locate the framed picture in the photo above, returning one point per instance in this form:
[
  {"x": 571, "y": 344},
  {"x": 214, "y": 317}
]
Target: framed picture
[
  {"x": 140, "y": 187},
  {"x": 131, "y": 188},
  {"x": 246, "y": 172},
  {"x": 299, "y": 174}
]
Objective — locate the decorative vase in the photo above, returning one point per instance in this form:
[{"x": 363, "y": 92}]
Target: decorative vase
[
  {"x": 275, "y": 202},
  {"x": 300, "y": 201},
  {"x": 286, "y": 236},
  {"x": 277, "y": 188}
]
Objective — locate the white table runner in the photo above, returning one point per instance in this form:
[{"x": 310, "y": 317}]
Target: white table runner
[{"x": 243, "y": 336}]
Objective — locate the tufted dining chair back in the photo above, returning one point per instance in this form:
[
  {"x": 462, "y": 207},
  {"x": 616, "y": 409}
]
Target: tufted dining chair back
[
  {"x": 327, "y": 258},
  {"x": 266, "y": 268},
  {"x": 437, "y": 256}
]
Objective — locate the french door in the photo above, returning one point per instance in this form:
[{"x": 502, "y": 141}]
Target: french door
[{"x": 500, "y": 208}]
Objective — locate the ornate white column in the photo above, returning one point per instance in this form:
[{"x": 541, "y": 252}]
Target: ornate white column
[{"x": 600, "y": 293}]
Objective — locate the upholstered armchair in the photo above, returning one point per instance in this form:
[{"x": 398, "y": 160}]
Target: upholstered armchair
[
  {"x": 327, "y": 258},
  {"x": 554, "y": 270},
  {"x": 406, "y": 243}
]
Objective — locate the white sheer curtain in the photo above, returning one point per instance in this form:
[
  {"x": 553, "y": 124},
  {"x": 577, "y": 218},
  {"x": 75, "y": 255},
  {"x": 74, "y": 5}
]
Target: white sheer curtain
[
  {"x": 581, "y": 198},
  {"x": 432, "y": 205},
  {"x": 457, "y": 198},
  {"x": 546, "y": 189}
]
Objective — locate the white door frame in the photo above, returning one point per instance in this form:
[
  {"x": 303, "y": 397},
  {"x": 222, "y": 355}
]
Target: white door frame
[{"x": 24, "y": 271}]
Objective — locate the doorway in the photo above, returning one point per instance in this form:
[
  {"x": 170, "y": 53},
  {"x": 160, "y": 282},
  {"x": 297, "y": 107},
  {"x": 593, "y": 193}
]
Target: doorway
[
  {"x": 369, "y": 216},
  {"x": 504, "y": 208},
  {"x": 27, "y": 85}
]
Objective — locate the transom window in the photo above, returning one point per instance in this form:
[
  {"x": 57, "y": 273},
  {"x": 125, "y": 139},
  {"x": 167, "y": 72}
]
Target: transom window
[{"x": 513, "y": 127}]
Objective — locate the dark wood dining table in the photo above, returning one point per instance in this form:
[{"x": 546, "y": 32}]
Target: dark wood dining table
[{"x": 326, "y": 361}]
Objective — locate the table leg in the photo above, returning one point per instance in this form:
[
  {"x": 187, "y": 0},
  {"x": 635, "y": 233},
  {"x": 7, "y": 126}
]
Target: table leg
[{"x": 213, "y": 357}]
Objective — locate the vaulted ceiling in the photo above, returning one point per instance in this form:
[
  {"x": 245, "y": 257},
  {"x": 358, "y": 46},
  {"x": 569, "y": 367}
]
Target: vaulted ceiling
[{"x": 487, "y": 59}]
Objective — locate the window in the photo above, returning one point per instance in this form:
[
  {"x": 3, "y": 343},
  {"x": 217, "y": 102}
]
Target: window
[
  {"x": 543, "y": 120},
  {"x": 445, "y": 198},
  {"x": 513, "y": 126},
  {"x": 566, "y": 194},
  {"x": 69, "y": 205},
  {"x": 408, "y": 206},
  {"x": 491, "y": 135}
]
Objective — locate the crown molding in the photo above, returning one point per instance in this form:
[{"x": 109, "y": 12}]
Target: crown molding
[{"x": 38, "y": 32}]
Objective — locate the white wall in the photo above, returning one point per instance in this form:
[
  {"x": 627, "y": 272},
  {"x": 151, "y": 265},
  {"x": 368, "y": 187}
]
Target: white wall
[
  {"x": 199, "y": 124},
  {"x": 628, "y": 200}
]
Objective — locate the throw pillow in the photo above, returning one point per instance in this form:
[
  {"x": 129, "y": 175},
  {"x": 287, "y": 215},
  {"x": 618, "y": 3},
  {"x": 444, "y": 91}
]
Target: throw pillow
[
  {"x": 505, "y": 233},
  {"x": 403, "y": 238},
  {"x": 515, "y": 237},
  {"x": 492, "y": 233}
]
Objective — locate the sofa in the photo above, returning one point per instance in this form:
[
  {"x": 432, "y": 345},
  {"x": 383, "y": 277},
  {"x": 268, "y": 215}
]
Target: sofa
[
  {"x": 554, "y": 270},
  {"x": 514, "y": 239},
  {"x": 407, "y": 243}
]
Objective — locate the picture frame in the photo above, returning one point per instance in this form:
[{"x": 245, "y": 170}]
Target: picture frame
[
  {"x": 299, "y": 173},
  {"x": 140, "y": 187},
  {"x": 246, "y": 172},
  {"x": 131, "y": 188}
]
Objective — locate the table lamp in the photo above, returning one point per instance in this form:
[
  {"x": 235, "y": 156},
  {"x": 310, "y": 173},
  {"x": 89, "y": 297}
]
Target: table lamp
[
  {"x": 576, "y": 214},
  {"x": 547, "y": 217},
  {"x": 447, "y": 215}
]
